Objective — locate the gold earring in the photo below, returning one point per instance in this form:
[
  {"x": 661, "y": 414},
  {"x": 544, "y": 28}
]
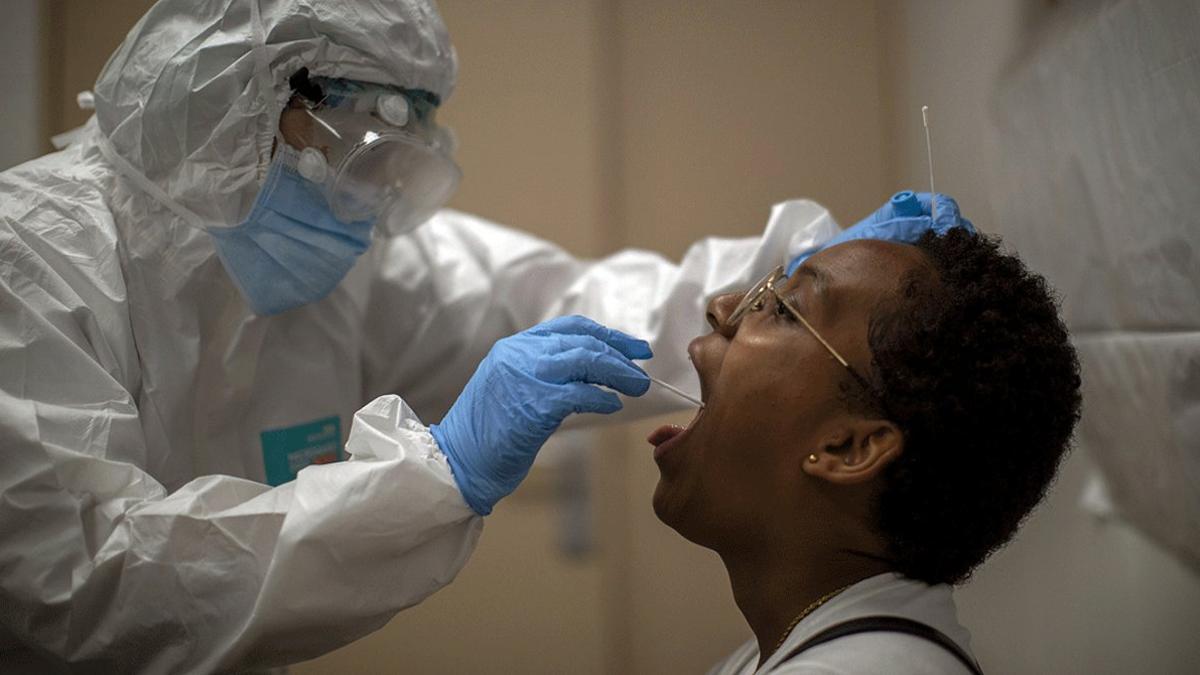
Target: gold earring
[{"x": 813, "y": 459}]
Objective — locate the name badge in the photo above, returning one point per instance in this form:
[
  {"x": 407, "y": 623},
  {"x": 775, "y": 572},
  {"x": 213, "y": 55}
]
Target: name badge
[{"x": 287, "y": 450}]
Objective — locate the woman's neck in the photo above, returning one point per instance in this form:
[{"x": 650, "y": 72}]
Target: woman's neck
[{"x": 772, "y": 588}]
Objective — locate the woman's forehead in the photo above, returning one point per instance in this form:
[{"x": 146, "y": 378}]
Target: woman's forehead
[
  {"x": 860, "y": 272},
  {"x": 863, "y": 260}
]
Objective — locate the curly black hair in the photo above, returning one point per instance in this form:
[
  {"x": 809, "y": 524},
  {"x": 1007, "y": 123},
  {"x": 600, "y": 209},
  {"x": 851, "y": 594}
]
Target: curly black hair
[{"x": 975, "y": 366}]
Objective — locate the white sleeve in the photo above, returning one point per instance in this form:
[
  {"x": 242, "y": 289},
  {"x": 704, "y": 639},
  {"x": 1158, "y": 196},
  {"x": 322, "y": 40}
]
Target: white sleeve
[
  {"x": 102, "y": 568},
  {"x": 459, "y": 283}
]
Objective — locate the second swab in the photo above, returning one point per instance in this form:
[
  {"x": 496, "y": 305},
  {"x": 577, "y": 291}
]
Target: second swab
[
  {"x": 929, "y": 157},
  {"x": 675, "y": 390}
]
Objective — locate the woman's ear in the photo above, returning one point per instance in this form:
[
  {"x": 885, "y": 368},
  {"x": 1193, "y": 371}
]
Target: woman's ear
[{"x": 856, "y": 452}]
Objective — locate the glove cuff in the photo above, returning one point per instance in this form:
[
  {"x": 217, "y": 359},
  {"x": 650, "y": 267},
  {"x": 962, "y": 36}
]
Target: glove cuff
[{"x": 480, "y": 506}]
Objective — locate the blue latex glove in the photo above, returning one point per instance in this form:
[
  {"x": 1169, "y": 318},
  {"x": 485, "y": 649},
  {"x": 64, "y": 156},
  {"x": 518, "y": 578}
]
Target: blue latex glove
[
  {"x": 523, "y": 390},
  {"x": 904, "y": 218}
]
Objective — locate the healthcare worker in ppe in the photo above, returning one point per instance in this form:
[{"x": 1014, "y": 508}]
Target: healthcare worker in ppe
[{"x": 213, "y": 289}]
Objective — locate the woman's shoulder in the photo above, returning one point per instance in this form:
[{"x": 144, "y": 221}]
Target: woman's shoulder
[
  {"x": 875, "y": 653},
  {"x": 890, "y": 595},
  {"x": 740, "y": 662}
]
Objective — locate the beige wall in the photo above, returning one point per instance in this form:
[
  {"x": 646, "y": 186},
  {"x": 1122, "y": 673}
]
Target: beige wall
[
  {"x": 727, "y": 108},
  {"x": 21, "y": 69},
  {"x": 78, "y": 41},
  {"x": 528, "y": 114}
]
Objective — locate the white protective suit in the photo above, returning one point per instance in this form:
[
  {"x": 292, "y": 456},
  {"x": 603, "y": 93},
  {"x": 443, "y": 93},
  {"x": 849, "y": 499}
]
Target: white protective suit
[{"x": 145, "y": 413}]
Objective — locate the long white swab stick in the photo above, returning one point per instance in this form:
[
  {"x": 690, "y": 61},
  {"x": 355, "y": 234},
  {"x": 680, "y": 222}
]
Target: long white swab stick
[
  {"x": 929, "y": 156},
  {"x": 678, "y": 392}
]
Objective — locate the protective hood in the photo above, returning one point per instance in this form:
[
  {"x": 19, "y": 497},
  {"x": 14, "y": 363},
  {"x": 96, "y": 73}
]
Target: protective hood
[{"x": 188, "y": 105}]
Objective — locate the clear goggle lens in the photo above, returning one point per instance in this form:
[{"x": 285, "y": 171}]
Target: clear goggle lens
[
  {"x": 398, "y": 175},
  {"x": 404, "y": 179}
]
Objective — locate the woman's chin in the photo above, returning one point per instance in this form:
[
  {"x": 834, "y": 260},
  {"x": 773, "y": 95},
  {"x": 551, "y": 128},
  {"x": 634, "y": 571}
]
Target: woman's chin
[
  {"x": 666, "y": 505},
  {"x": 675, "y": 511}
]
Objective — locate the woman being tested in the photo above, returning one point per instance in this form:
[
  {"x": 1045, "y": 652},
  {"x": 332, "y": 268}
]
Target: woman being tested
[{"x": 873, "y": 427}]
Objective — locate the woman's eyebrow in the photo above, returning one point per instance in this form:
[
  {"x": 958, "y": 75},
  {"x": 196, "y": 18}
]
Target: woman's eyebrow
[
  {"x": 819, "y": 276},
  {"x": 821, "y": 283}
]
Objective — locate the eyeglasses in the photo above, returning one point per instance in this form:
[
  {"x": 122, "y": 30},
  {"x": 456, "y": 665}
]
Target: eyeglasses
[{"x": 754, "y": 301}]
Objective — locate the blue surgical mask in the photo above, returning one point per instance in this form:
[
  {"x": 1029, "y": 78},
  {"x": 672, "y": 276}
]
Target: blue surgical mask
[{"x": 290, "y": 250}]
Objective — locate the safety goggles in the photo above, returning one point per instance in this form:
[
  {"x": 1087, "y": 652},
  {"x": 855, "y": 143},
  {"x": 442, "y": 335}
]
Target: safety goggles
[{"x": 376, "y": 151}]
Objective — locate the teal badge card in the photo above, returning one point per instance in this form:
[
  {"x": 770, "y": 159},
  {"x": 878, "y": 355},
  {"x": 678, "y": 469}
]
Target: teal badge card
[{"x": 287, "y": 450}]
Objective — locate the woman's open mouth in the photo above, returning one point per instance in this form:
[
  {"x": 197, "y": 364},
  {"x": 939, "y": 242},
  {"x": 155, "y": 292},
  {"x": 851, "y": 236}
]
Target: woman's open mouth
[{"x": 670, "y": 435}]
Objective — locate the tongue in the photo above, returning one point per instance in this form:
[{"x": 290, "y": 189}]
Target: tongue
[{"x": 663, "y": 434}]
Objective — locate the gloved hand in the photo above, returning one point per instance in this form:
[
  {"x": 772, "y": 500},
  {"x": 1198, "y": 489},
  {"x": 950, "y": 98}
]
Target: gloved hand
[
  {"x": 904, "y": 218},
  {"x": 523, "y": 390}
]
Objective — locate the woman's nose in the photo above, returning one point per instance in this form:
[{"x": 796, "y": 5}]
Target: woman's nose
[{"x": 719, "y": 310}]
